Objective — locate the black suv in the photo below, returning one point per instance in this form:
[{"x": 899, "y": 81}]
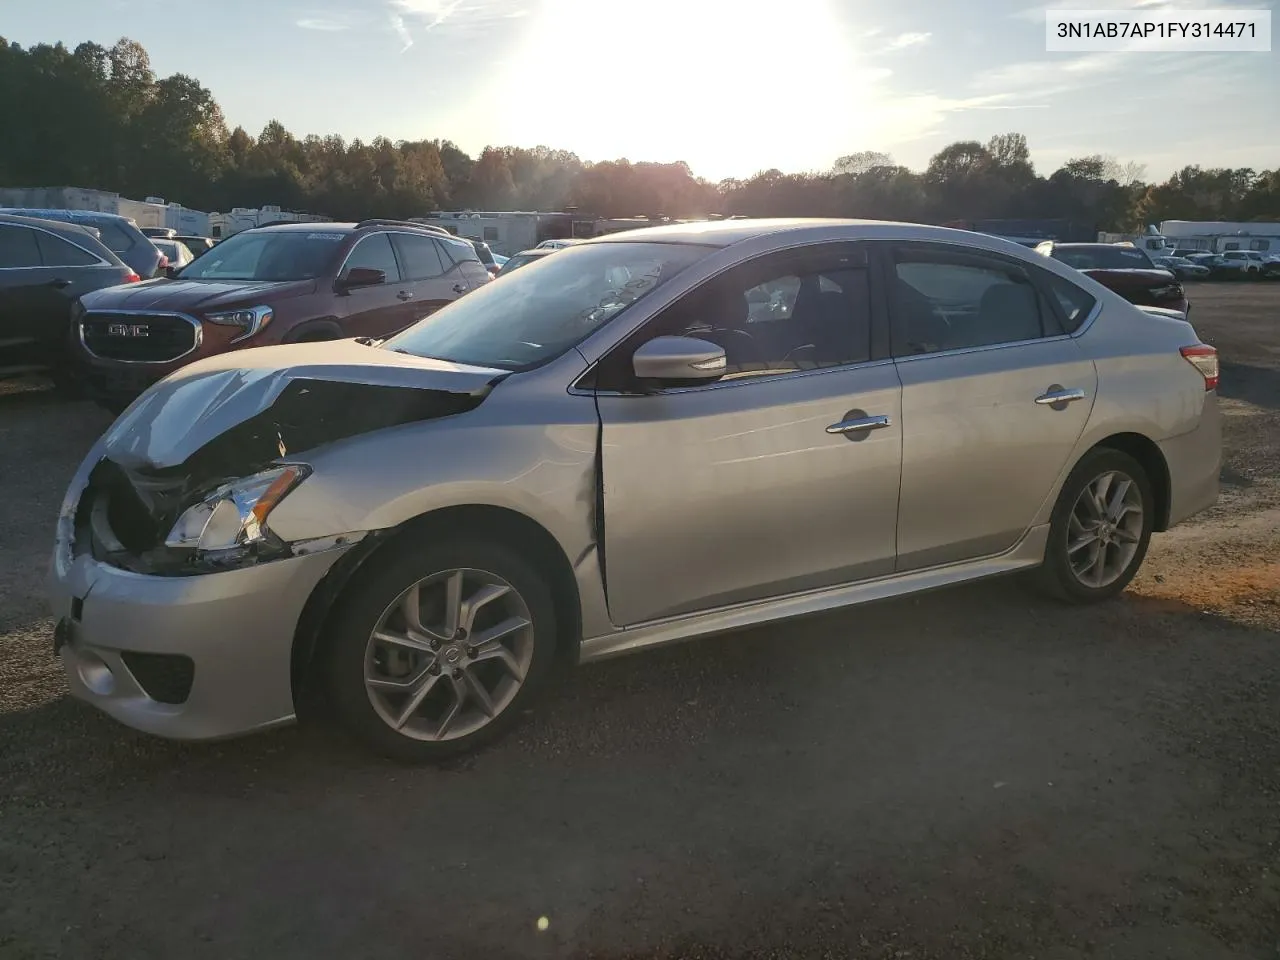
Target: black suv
[
  {"x": 118, "y": 234},
  {"x": 44, "y": 267}
]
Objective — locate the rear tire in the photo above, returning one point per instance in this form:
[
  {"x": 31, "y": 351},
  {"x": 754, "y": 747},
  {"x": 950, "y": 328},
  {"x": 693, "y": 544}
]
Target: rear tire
[
  {"x": 425, "y": 656},
  {"x": 1100, "y": 529}
]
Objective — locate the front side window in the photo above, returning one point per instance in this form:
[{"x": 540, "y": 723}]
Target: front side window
[
  {"x": 943, "y": 302},
  {"x": 268, "y": 255},
  {"x": 522, "y": 322},
  {"x": 374, "y": 253},
  {"x": 18, "y": 247},
  {"x": 419, "y": 257},
  {"x": 56, "y": 252},
  {"x": 777, "y": 315}
]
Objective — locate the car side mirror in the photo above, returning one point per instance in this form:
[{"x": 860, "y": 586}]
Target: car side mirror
[
  {"x": 679, "y": 359},
  {"x": 360, "y": 277}
]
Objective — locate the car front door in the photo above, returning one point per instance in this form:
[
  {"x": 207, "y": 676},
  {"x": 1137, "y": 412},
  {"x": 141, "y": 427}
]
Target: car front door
[
  {"x": 377, "y": 310},
  {"x": 995, "y": 395},
  {"x": 780, "y": 477},
  {"x": 432, "y": 277}
]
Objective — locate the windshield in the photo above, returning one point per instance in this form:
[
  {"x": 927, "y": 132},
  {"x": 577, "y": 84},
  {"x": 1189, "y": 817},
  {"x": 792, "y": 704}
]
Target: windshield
[
  {"x": 527, "y": 320},
  {"x": 267, "y": 255},
  {"x": 1103, "y": 258},
  {"x": 519, "y": 260}
]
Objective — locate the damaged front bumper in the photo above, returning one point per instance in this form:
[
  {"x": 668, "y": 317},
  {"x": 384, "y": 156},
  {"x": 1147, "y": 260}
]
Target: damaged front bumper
[{"x": 192, "y": 657}]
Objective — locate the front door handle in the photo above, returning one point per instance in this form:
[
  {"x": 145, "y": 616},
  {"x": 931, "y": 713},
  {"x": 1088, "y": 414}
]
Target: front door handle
[
  {"x": 459, "y": 288},
  {"x": 404, "y": 295},
  {"x": 1059, "y": 396},
  {"x": 859, "y": 424}
]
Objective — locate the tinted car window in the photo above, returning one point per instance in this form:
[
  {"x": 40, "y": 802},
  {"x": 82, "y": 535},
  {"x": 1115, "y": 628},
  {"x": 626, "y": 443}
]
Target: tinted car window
[
  {"x": 459, "y": 250},
  {"x": 56, "y": 252},
  {"x": 419, "y": 257},
  {"x": 1076, "y": 303},
  {"x": 527, "y": 320},
  {"x": 779, "y": 315},
  {"x": 374, "y": 253},
  {"x": 1103, "y": 258},
  {"x": 516, "y": 262},
  {"x": 18, "y": 247},
  {"x": 942, "y": 303},
  {"x": 114, "y": 237},
  {"x": 268, "y": 255}
]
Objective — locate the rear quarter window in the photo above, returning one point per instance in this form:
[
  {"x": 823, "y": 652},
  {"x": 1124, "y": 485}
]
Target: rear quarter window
[
  {"x": 1075, "y": 304},
  {"x": 114, "y": 237}
]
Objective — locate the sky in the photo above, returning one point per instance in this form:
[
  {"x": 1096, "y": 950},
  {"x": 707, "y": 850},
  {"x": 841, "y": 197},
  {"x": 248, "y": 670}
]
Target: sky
[{"x": 731, "y": 87}]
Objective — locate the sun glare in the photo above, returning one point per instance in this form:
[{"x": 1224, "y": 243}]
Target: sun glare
[{"x": 728, "y": 87}]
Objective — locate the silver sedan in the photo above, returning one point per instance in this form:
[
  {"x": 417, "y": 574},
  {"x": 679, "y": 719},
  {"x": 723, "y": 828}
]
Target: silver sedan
[{"x": 646, "y": 438}]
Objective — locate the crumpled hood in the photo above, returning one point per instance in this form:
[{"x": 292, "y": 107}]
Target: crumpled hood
[
  {"x": 192, "y": 295},
  {"x": 190, "y": 408}
]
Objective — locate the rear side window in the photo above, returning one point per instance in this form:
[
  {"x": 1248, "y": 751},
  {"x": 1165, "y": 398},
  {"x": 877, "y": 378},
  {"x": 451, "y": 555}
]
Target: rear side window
[
  {"x": 18, "y": 248},
  {"x": 56, "y": 252},
  {"x": 943, "y": 302},
  {"x": 1076, "y": 304},
  {"x": 419, "y": 257},
  {"x": 114, "y": 237},
  {"x": 460, "y": 250}
]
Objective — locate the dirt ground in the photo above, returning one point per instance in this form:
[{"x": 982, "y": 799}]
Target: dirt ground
[{"x": 971, "y": 773}]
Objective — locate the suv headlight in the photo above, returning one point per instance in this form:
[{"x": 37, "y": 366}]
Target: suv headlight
[
  {"x": 250, "y": 319},
  {"x": 233, "y": 519}
]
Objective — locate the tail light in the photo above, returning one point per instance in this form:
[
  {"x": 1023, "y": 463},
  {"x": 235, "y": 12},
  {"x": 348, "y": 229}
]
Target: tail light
[
  {"x": 131, "y": 277},
  {"x": 1205, "y": 359}
]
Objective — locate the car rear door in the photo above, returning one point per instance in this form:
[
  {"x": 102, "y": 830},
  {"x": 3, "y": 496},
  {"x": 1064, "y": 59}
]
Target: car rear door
[
  {"x": 431, "y": 276},
  {"x": 377, "y": 310},
  {"x": 778, "y": 478},
  {"x": 24, "y": 300},
  {"x": 995, "y": 395}
]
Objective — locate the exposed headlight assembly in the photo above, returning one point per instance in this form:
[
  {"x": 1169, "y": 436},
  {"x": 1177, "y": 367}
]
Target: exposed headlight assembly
[
  {"x": 250, "y": 320},
  {"x": 231, "y": 523}
]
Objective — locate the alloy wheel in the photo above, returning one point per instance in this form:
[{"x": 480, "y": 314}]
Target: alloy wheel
[
  {"x": 449, "y": 655},
  {"x": 1105, "y": 529}
]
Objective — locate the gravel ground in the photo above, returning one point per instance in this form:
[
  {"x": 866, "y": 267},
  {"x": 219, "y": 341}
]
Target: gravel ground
[{"x": 971, "y": 773}]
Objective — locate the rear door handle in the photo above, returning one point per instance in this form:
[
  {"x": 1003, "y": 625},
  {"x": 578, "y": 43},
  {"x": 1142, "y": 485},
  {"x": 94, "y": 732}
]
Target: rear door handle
[
  {"x": 858, "y": 424},
  {"x": 1059, "y": 395},
  {"x": 404, "y": 295},
  {"x": 459, "y": 288}
]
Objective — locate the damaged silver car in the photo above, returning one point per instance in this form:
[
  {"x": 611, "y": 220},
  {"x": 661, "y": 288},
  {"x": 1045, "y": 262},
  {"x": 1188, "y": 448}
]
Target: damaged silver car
[{"x": 645, "y": 438}]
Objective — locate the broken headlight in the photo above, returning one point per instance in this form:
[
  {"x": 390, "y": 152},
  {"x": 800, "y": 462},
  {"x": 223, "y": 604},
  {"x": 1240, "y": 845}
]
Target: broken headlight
[{"x": 233, "y": 518}]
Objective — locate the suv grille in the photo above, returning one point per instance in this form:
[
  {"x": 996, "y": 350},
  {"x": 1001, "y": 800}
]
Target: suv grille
[{"x": 139, "y": 337}]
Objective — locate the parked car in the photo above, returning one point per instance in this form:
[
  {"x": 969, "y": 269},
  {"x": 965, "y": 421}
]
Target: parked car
[
  {"x": 1220, "y": 268},
  {"x": 1254, "y": 264},
  {"x": 177, "y": 255},
  {"x": 1124, "y": 268},
  {"x": 118, "y": 234},
  {"x": 524, "y": 258},
  {"x": 197, "y": 245},
  {"x": 44, "y": 266},
  {"x": 279, "y": 284},
  {"x": 1182, "y": 268},
  {"x": 559, "y": 244},
  {"x": 563, "y": 467},
  {"x": 159, "y": 233}
]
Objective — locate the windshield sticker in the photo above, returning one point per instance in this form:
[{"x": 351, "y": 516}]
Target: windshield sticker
[{"x": 324, "y": 236}]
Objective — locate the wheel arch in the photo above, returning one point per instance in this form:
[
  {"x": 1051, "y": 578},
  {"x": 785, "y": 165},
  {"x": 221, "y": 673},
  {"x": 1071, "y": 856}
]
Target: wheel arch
[
  {"x": 1148, "y": 454},
  {"x": 506, "y": 526},
  {"x": 310, "y": 330}
]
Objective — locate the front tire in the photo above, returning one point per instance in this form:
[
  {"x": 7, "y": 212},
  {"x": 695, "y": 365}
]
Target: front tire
[
  {"x": 1100, "y": 529},
  {"x": 436, "y": 649}
]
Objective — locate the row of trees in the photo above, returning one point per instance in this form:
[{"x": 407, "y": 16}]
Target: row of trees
[{"x": 99, "y": 117}]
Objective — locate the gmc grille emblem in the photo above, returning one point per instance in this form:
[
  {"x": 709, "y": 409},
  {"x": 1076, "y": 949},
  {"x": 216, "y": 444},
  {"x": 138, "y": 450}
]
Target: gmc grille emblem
[{"x": 128, "y": 330}]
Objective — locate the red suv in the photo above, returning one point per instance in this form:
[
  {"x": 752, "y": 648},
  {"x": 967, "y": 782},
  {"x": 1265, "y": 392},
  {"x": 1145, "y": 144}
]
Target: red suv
[
  {"x": 1124, "y": 268},
  {"x": 285, "y": 283}
]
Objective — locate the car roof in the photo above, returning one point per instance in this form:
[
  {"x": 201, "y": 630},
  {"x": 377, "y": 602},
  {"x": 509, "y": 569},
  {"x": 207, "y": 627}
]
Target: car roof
[
  {"x": 53, "y": 226},
  {"x": 54, "y": 213},
  {"x": 724, "y": 233}
]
